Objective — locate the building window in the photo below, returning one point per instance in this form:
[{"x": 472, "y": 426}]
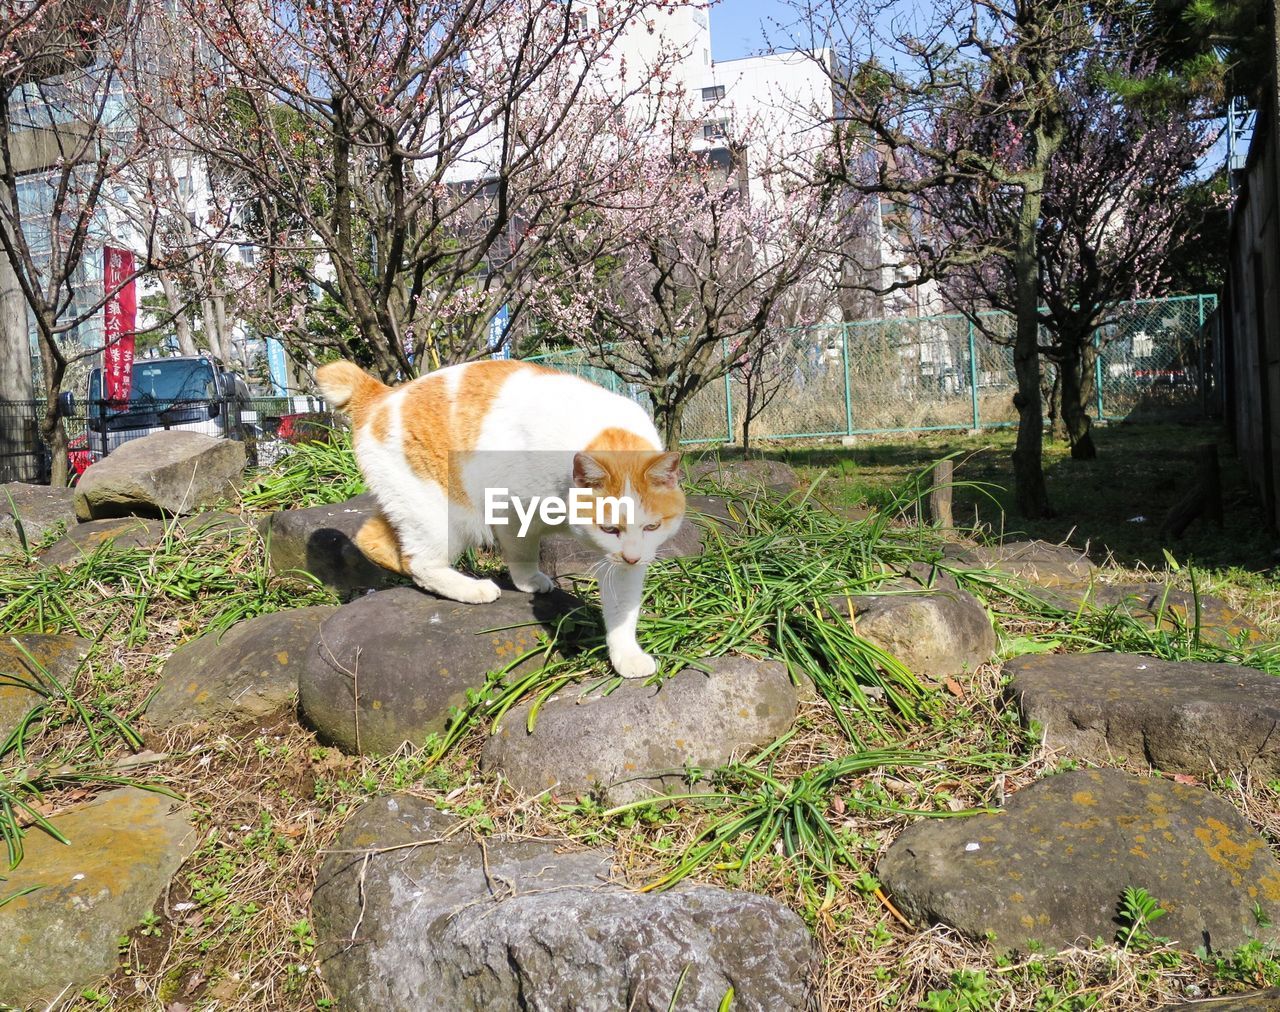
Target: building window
[
  {"x": 715, "y": 129},
  {"x": 580, "y": 24},
  {"x": 713, "y": 94}
]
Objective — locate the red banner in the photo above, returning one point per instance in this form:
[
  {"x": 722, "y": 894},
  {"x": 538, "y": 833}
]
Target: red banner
[{"x": 119, "y": 317}]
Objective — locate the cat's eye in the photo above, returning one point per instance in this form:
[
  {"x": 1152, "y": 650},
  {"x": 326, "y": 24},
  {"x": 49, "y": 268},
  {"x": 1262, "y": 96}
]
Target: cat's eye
[
  {"x": 611, "y": 530},
  {"x": 653, "y": 527}
]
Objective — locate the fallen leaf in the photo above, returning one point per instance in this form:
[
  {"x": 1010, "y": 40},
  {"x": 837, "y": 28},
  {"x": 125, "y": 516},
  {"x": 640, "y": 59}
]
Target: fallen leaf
[
  {"x": 955, "y": 688},
  {"x": 1185, "y": 778}
]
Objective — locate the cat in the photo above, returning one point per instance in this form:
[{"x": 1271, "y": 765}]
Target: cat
[{"x": 432, "y": 448}]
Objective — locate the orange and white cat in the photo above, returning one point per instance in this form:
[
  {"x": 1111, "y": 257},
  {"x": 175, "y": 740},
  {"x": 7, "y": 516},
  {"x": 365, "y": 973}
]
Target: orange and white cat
[{"x": 431, "y": 450}]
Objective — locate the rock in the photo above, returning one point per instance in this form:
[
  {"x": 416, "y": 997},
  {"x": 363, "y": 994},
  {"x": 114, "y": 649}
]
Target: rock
[
  {"x": 1181, "y": 717},
  {"x": 39, "y": 508},
  {"x": 936, "y": 633},
  {"x": 216, "y": 522},
  {"x": 1036, "y": 562},
  {"x": 412, "y": 657},
  {"x": 1170, "y": 608},
  {"x": 516, "y": 924},
  {"x": 773, "y": 475},
  {"x": 1259, "y": 1001},
  {"x": 320, "y": 540},
  {"x": 122, "y": 533},
  {"x": 164, "y": 474},
  {"x": 636, "y": 741},
  {"x": 1051, "y": 866},
  {"x": 249, "y": 671},
  {"x": 125, "y": 847},
  {"x": 564, "y": 555},
  {"x": 57, "y": 654}
]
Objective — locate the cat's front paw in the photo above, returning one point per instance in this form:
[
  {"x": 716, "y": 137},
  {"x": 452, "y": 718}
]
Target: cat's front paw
[
  {"x": 634, "y": 665},
  {"x": 477, "y": 592},
  {"x": 538, "y": 583}
]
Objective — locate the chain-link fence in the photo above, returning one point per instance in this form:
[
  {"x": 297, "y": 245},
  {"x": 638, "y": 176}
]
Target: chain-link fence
[
  {"x": 921, "y": 374},
  {"x": 267, "y": 426}
]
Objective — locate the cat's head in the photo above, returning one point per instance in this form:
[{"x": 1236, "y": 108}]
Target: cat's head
[{"x": 650, "y": 481}]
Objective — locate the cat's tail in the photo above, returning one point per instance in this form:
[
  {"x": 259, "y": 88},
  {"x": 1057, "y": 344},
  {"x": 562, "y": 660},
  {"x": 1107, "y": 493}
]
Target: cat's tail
[{"x": 349, "y": 388}]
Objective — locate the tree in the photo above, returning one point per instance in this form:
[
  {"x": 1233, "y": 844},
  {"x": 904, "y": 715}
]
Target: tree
[
  {"x": 69, "y": 136},
  {"x": 1114, "y": 209},
  {"x": 972, "y": 98},
  {"x": 410, "y": 161},
  {"x": 680, "y": 277}
]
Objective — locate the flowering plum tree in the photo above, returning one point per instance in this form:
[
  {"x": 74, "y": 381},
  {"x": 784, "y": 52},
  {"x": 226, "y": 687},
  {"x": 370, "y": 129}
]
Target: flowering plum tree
[
  {"x": 407, "y": 162},
  {"x": 679, "y": 276}
]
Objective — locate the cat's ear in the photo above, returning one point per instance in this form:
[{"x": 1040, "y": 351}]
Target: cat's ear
[
  {"x": 587, "y": 471},
  {"x": 664, "y": 470}
]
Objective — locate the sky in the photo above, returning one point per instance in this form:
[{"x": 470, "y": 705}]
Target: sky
[{"x": 736, "y": 26}]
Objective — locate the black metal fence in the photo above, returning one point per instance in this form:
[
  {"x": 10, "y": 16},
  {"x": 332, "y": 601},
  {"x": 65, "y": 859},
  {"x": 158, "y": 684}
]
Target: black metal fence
[{"x": 267, "y": 425}]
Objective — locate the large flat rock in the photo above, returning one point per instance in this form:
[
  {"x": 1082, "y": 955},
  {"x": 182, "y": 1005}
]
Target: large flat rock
[
  {"x": 119, "y": 534},
  {"x": 1259, "y": 1001},
  {"x": 248, "y": 671},
  {"x": 38, "y": 508},
  {"x": 755, "y": 473},
  {"x": 388, "y": 667},
  {"x": 125, "y": 847},
  {"x": 1181, "y": 717},
  {"x": 164, "y": 474},
  {"x": 517, "y": 924},
  {"x": 1156, "y": 605},
  {"x": 320, "y": 540},
  {"x": 637, "y": 741},
  {"x": 1036, "y": 562},
  {"x": 25, "y": 663},
  {"x": 1051, "y": 867}
]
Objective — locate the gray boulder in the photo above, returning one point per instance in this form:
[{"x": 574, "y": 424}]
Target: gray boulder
[
  {"x": 1051, "y": 866},
  {"x": 1181, "y": 717},
  {"x": 55, "y": 654},
  {"x": 935, "y": 632},
  {"x": 246, "y": 672},
  {"x": 1036, "y": 562},
  {"x": 320, "y": 540},
  {"x": 164, "y": 474},
  {"x": 636, "y": 741},
  {"x": 1259, "y": 1001},
  {"x": 755, "y": 473},
  {"x": 474, "y": 926},
  {"x": 120, "y": 534},
  {"x": 125, "y": 847},
  {"x": 388, "y": 667},
  {"x": 1157, "y": 605},
  {"x": 39, "y": 508}
]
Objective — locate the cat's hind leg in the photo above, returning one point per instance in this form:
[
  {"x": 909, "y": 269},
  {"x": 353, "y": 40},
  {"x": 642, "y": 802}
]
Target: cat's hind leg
[
  {"x": 431, "y": 537},
  {"x": 521, "y": 557}
]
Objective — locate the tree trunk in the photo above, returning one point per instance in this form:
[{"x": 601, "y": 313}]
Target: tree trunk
[
  {"x": 15, "y": 378},
  {"x": 53, "y": 369},
  {"x": 1075, "y": 416},
  {"x": 668, "y": 415},
  {"x": 181, "y": 325},
  {"x": 1028, "y": 469}
]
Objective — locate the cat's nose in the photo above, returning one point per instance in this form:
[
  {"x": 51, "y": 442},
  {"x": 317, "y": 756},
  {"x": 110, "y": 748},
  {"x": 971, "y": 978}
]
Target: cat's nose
[{"x": 630, "y": 560}]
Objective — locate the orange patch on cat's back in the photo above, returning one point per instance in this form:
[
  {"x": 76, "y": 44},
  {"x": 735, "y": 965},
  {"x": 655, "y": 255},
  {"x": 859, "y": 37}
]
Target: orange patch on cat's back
[
  {"x": 616, "y": 440},
  {"x": 437, "y": 421},
  {"x": 380, "y": 422}
]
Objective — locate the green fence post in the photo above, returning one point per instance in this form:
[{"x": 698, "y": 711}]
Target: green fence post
[
  {"x": 728, "y": 394},
  {"x": 848, "y": 394},
  {"x": 973, "y": 377},
  {"x": 1097, "y": 371}
]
